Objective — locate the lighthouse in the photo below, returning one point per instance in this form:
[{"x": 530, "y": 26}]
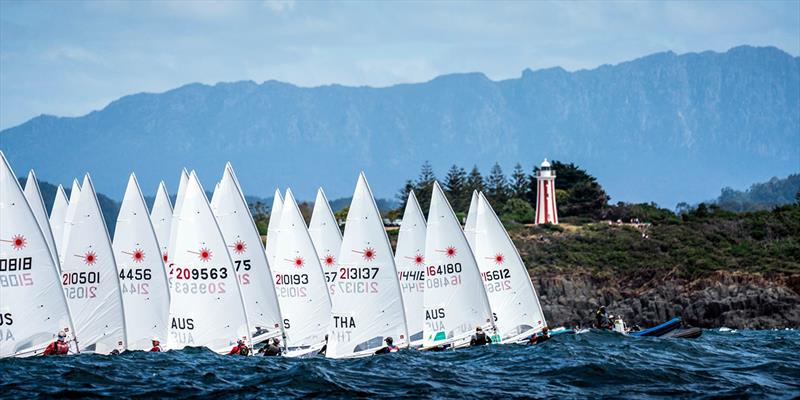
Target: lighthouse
[{"x": 546, "y": 195}]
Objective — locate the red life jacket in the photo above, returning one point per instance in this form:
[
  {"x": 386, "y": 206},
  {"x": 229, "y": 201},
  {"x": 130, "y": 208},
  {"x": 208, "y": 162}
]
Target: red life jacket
[
  {"x": 156, "y": 349},
  {"x": 57, "y": 348},
  {"x": 393, "y": 349}
]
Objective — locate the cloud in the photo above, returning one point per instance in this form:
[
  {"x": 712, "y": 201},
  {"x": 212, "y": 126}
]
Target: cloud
[{"x": 279, "y": 6}]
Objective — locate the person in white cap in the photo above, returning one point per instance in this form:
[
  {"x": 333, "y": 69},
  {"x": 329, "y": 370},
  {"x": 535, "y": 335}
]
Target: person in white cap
[
  {"x": 240, "y": 348},
  {"x": 156, "y": 346},
  {"x": 58, "y": 348}
]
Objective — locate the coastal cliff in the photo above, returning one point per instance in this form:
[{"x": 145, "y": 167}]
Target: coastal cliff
[{"x": 733, "y": 270}]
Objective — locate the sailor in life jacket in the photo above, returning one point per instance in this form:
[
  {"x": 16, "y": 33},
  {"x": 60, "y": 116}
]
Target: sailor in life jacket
[
  {"x": 156, "y": 346},
  {"x": 59, "y": 347},
  {"x": 479, "y": 338},
  {"x": 389, "y": 348},
  {"x": 240, "y": 349}
]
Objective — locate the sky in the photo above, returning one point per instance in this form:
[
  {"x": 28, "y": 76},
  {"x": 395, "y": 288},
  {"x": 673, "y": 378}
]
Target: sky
[{"x": 69, "y": 58}]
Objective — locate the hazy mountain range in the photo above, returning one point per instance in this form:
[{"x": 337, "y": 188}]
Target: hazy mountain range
[{"x": 662, "y": 128}]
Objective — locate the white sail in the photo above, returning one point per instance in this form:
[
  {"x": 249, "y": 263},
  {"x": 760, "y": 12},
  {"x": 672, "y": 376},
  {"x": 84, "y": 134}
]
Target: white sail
[
  {"x": 58, "y": 214},
  {"x": 273, "y": 227},
  {"x": 516, "y": 307},
  {"x": 455, "y": 301},
  {"x": 173, "y": 226},
  {"x": 206, "y": 306},
  {"x": 327, "y": 237},
  {"x": 141, "y": 272},
  {"x": 300, "y": 284},
  {"x": 32, "y": 304},
  {"x": 249, "y": 260},
  {"x": 34, "y": 197},
  {"x": 74, "y": 194},
  {"x": 367, "y": 305},
  {"x": 410, "y": 261},
  {"x": 161, "y": 218},
  {"x": 472, "y": 216},
  {"x": 89, "y": 274},
  {"x": 214, "y": 197}
]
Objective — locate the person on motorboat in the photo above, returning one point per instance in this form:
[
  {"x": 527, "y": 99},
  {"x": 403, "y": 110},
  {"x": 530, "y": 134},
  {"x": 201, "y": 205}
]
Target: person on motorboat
[
  {"x": 240, "y": 349},
  {"x": 539, "y": 338},
  {"x": 272, "y": 349},
  {"x": 479, "y": 338},
  {"x": 601, "y": 319},
  {"x": 389, "y": 348},
  {"x": 156, "y": 346},
  {"x": 59, "y": 347}
]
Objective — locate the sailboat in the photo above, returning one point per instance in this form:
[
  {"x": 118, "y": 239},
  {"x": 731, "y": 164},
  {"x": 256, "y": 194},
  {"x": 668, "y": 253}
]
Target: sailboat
[
  {"x": 173, "y": 226},
  {"x": 274, "y": 226},
  {"x": 34, "y": 197},
  {"x": 249, "y": 259},
  {"x": 410, "y": 261},
  {"x": 455, "y": 300},
  {"x": 161, "y": 218},
  {"x": 32, "y": 304},
  {"x": 58, "y": 214},
  {"x": 367, "y": 305},
  {"x": 74, "y": 194},
  {"x": 207, "y": 308},
  {"x": 472, "y": 216},
  {"x": 142, "y": 276},
  {"x": 327, "y": 237},
  {"x": 300, "y": 284},
  {"x": 89, "y": 276},
  {"x": 517, "y": 311}
]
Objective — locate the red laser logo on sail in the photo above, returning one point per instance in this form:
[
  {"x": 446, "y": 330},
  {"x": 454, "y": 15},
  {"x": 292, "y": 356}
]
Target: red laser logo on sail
[
  {"x": 329, "y": 260},
  {"x": 204, "y": 254},
  {"x": 89, "y": 258},
  {"x": 137, "y": 255},
  {"x": 165, "y": 256},
  {"x": 498, "y": 258},
  {"x": 18, "y": 242},
  {"x": 418, "y": 259},
  {"x": 298, "y": 262},
  {"x": 368, "y": 253},
  {"x": 450, "y": 251},
  {"x": 239, "y": 247}
]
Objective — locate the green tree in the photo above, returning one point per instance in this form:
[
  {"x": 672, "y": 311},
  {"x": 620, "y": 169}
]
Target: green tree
[
  {"x": 519, "y": 183},
  {"x": 517, "y": 210},
  {"x": 497, "y": 189},
  {"x": 402, "y": 195},
  {"x": 455, "y": 186},
  {"x": 474, "y": 181},
  {"x": 586, "y": 199},
  {"x": 424, "y": 186}
]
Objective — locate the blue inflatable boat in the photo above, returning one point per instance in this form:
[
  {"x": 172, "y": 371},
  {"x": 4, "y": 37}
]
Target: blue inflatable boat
[{"x": 659, "y": 330}]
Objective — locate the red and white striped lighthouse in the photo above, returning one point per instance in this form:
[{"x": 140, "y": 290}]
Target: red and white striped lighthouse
[{"x": 546, "y": 195}]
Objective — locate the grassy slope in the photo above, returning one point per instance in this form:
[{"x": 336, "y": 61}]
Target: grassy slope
[{"x": 764, "y": 241}]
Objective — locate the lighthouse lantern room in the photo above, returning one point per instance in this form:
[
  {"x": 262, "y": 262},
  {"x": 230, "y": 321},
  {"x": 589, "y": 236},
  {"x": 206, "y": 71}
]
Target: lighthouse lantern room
[{"x": 546, "y": 212}]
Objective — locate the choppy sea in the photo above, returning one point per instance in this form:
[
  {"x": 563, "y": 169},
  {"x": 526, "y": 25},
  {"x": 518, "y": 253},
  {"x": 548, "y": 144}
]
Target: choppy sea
[{"x": 595, "y": 364}]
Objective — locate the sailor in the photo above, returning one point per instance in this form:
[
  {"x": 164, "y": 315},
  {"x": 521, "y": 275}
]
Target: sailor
[
  {"x": 479, "y": 338},
  {"x": 544, "y": 336},
  {"x": 601, "y": 320},
  {"x": 389, "y": 348},
  {"x": 272, "y": 349},
  {"x": 324, "y": 348},
  {"x": 240, "y": 349},
  {"x": 59, "y": 347},
  {"x": 156, "y": 346}
]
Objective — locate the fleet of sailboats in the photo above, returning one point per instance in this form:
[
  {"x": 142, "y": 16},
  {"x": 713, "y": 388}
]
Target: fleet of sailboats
[{"x": 198, "y": 275}]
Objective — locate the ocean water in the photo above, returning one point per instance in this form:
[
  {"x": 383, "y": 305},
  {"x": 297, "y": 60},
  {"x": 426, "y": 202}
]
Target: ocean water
[{"x": 595, "y": 364}]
